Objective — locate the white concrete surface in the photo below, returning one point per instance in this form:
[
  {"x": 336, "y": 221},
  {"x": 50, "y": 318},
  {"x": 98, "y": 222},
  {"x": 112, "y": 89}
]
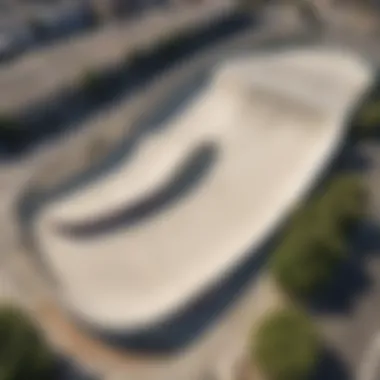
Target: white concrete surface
[
  {"x": 275, "y": 121},
  {"x": 370, "y": 366}
]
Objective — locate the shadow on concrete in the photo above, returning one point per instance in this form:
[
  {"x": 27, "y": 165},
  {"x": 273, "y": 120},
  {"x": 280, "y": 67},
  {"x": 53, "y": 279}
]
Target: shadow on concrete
[
  {"x": 156, "y": 121},
  {"x": 331, "y": 367},
  {"x": 66, "y": 369},
  {"x": 183, "y": 327},
  {"x": 188, "y": 176},
  {"x": 352, "y": 159}
]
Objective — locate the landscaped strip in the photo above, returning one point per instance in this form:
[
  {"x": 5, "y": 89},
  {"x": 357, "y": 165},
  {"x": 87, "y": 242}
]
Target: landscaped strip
[{"x": 95, "y": 88}]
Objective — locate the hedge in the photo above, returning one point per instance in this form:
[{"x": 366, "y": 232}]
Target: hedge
[
  {"x": 315, "y": 242},
  {"x": 24, "y": 355},
  {"x": 286, "y": 346}
]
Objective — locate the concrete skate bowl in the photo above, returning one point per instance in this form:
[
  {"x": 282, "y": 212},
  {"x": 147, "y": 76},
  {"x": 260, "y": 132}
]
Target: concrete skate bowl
[{"x": 146, "y": 260}]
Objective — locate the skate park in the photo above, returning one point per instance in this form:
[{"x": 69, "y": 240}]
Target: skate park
[{"x": 152, "y": 250}]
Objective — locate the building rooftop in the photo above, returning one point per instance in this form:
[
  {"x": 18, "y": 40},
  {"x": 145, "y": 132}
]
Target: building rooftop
[{"x": 195, "y": 197}]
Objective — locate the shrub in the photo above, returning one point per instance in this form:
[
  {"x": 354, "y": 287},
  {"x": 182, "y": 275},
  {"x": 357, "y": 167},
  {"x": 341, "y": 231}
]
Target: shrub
[
  {"x": 23, "y": 353},
  {"x": 345, "y": 199},
  {"x": 286, "y": 346},
  {"x": 92, "y": 83}
]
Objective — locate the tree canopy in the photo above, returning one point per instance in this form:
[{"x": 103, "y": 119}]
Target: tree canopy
[
  {"x": 286, "y": 346},
  {"x": 24, "y": 355},
  {"x": 315, "y": 241}
]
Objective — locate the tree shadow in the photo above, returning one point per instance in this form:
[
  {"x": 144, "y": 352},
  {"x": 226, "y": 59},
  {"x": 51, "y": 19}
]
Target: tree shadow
[
  {"x": 183, "y": 327},
  {"x": 124, "y": 150},
  {"x": 352, "y": 278},
  {"x": 331, "y": 367},
  {"x": 352, "y": 159},
  {"x": 66, "y": 369}
]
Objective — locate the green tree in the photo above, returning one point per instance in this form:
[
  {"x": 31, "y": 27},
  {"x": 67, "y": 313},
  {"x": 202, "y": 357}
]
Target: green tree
[
  {"x": 286, "y": 346},
  {"x": 306, "y": 259},
  {"x": 315, "y": 242},
  {"x": 24, "y": 355},
  {"x": 345, "y": 199}
]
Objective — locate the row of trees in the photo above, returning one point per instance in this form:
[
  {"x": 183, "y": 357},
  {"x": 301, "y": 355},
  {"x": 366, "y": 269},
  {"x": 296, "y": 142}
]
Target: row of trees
[
  {"x": 287, "y": 346},
  {"x": 315, "y": 243}
]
